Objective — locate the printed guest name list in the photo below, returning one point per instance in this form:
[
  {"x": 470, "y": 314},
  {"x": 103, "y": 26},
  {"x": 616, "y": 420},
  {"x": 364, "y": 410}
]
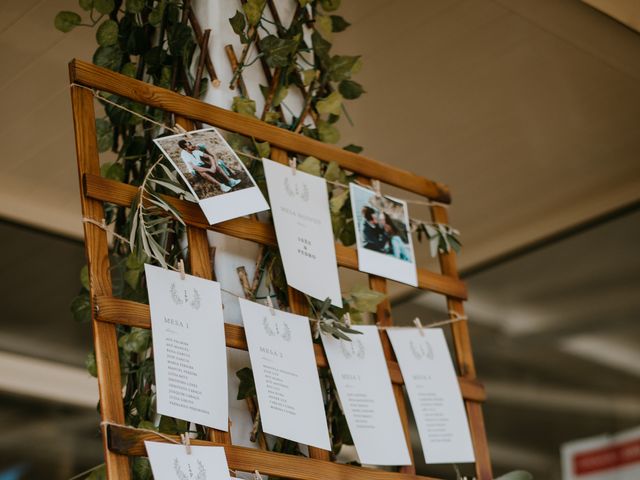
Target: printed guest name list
[{"x": 189, "y": 347}]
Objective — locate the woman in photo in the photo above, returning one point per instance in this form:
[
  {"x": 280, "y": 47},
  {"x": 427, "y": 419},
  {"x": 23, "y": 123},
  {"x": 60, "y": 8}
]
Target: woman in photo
[
  {"x": 397, "y": 245},
  {"x": 199, "y": 161}
]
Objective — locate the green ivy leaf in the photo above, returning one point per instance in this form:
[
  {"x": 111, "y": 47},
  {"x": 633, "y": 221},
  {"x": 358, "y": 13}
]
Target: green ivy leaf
[
  {"x": 179, "y": 39},
  {"x": 350, "y": 89},
  {"x": 81, "y": 308},
  {"x": 247, "y": 387},
  {"x": 334, "y": 173},
  {"x": 138, "y": 41},
  {"x": 67, "y": 21},
  {"x": 330, "y": 104},
  {"x": 365, "y": 299},
  {"x": 90, "y": 364},
  {"x": 136, "y": 341},
  {"x": 311, "y": 165},
  {"x": 112, "y": 171},
  {"x": 86, "y": 5},
  {"x": 108, "y": 57},
  {"x": 104, "y": 131},
  {"x": 168, "y": 425},
  {"x": 321, "y": 47},
  {"x": 104, "y": 6},
  {"x": 280, "y": 95},
  {"x": 147, "y": 425},
  {"x": 330, "y": 5},
  {"x": 132, "y": 277},
  {"x": 341, "y": 67},
  {"x": 129, "y": 69},
  {"x": 337, "y": 201},
  {"x": 244, "y": 106},
  {"x": 134, "y": 6},
  {"x": 277, "y": 51},
  {"x": 264, "y": 149},
  {"x": 253, "y": 11},
  {"x": 324, "y": 26},
  {"x": 141, "y": 468},
  {"x": 348, "y": 237},
  {"x": 238, "y": 23},
  {"x": 327, "y": 132},
  {"x": 155, "y": 16},
  {"x": 339, "y": 24},
  {"x": 84, "y": 277},
  {"x": 353, "y": 148},
  {"x": 272, "y": 117},
  {"x": 308, "y": 76},
  {"x": 107, "y": 33}
]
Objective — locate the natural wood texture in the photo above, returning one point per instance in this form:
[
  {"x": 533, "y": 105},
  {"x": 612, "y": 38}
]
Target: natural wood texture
[
  {"x": 109, "y": 311},
  {"x": 97, "y": 251},
  {"x": 121, "y": 194},
  {"x": 109, "y": 81},
  {"x": 464, "y": 357},
  {"x": 130, "y": 441},
  {"x": 383, "y": 319},
  {"x": 134, "y": 314}
]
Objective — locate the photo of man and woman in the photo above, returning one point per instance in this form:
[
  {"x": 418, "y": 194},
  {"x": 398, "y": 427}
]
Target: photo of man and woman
[
  {"x": 211, "y": 169},
  {"x": 383, "y": 236}
]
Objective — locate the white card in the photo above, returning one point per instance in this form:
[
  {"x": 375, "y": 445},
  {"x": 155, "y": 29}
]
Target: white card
[
  {"x": 360, "y": 372},
  {"x": 285, "y": 374},
  {"x": 188, "y": 347},
  {"x": 383, "y": 235},
  {"x": 300, "y": 209},
  {"x": 171, "y": 462},
  {"x": 214, "y": 173},
  {"x": 434, "y": 393}
]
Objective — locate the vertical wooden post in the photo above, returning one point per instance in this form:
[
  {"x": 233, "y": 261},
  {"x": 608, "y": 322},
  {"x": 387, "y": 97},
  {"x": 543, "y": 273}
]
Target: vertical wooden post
[
  {"x": 464, "y": 358},
  {"x": 384, "y": 319},
  {"x": 97, "y": 250}
]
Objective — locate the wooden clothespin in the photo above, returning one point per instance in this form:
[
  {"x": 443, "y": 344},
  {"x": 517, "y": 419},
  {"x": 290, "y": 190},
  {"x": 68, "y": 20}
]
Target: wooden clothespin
[
  {"x": 347, "y": 319},
  {"x": 270, "y": 305},
  {"x": 181, "y": 269},
  {"x": 186, "y": 441},
  {"x": 418, "y": 323},
  {"x": 375, "y": 184},
  {"x": 293, "y": 163},
  {"x": 257, "y": 475}
]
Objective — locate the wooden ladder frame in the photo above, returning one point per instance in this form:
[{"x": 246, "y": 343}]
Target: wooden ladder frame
[{"x": 107, "y": 311}]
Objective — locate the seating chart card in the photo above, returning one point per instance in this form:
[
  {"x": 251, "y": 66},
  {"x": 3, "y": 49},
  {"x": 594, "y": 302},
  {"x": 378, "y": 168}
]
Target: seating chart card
[
  {"x": 189, "y": 347},
  {"x": 360, "y": 372},
  {"x": 285, "y": 374},
  {"x": 300, "y": 209},
  {"x": 171, "y": 462},
  {"x": 214, "y": 173},
  {"x": 434, "y": 393}
]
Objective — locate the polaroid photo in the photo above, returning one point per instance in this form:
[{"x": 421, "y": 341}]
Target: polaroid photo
[
  {"x": 383, "y": 236},
  {"x": 214, "y": 173}
]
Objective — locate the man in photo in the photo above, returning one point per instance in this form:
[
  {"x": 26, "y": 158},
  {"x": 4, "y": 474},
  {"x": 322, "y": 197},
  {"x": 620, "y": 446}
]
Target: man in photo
[
  {"x": 373, "y": 235},
  {"x": 199, "y": 161}
]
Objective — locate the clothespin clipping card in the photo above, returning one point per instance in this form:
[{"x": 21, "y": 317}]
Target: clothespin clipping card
[
  {"x": 181, "y": 269},
  {"x": 375, "y": 184},
  {"x": 186, "y": 441},
  {"x": 418, "y": 323},
  {"x": 270, "y": 305},
  {"x": 293, "y": 163},
  {"x": 257, "y": 475}
]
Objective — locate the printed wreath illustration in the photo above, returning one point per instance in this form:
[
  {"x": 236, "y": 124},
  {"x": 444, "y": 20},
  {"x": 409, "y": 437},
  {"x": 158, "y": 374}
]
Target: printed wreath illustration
[
  {"x": 421, "y": 350},
  {"x": 354, "y": 347},
  {"x": 194, "y": 302},
  {"x": 201, "y": 475},
  {"x": 294, "y": 191},
  {"x": 286, "y": 330}
]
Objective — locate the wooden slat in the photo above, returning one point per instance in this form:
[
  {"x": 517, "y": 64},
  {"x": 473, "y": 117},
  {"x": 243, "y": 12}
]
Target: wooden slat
[
  {"x": 134, "y": 314},
  {"x": 122, "y": 194},
  {"x": 109, "y": 81},
  {"x": 97, "y": 251},
  {"x": 464, "y": 358},
  {"x": 384, "y": 319},
  {"x": 130, "y": 441}
]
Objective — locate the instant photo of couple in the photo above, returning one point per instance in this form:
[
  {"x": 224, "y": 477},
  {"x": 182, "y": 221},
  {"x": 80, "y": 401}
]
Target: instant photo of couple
[
  {"x": 214, "y": 173},
  {"x": 383, "y": 235}
]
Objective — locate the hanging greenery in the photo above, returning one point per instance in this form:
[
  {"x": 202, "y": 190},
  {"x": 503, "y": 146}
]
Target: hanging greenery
[{"x": 160, "y": 42}]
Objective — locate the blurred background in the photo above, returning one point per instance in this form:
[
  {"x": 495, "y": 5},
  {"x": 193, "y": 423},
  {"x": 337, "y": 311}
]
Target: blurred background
[{"x": 527, "y": 109}]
